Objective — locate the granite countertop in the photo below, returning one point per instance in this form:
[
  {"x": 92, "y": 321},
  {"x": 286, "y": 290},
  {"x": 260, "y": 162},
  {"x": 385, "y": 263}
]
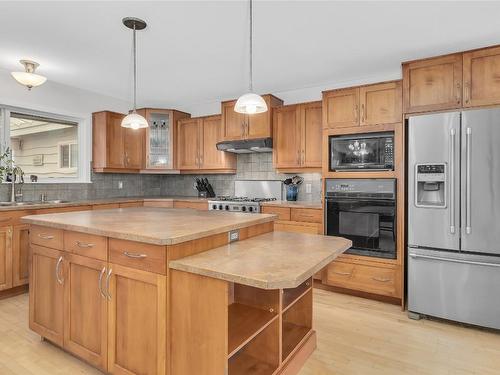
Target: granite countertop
[
  {"x": 273, "y": 260},
  {"x": 295, "y": 204},
  {"x": 150, "y": 225}
]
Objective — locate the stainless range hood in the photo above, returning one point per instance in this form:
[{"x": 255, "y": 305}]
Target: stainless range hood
[{"x": 246, "y": 146}]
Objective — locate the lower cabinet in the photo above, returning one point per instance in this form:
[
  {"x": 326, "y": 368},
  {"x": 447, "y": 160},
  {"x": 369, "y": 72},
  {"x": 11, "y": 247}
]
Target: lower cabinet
[
  {"x": 20, "y": 254},
  {"x": 298, "y": 220},
  {"x": 5, "y": 257}
]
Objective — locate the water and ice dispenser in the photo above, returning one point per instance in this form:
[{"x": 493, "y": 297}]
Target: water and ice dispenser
[{"x": 430, "y": 189}]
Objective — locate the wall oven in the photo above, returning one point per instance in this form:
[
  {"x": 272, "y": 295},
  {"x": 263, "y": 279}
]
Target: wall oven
[
  {"x": 373, "y": 151},
  {"x": 364, "y": 211}
]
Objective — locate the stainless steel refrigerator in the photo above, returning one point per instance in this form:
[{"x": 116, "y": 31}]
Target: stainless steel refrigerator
[{"x": 454, "y": 216}]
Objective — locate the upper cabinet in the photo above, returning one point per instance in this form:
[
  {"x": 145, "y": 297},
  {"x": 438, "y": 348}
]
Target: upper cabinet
[
  {"x": 362, "y": 106},
  {"x": 115, "y": 149},
  {"x": 433, "y": 84},
  {"x": 196, "y": 146},
  {"x": 297, "y": 136},
  {"x": 239, "y": 126},
  {"x": 481, "y": 77}
]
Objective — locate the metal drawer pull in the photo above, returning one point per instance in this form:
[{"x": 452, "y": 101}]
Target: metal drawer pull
[
  {"x": 103, "y": 271},
  {"x": 134, "y": 255},
  {"x": 343, "y": 273},
  {"x": 84, "y": 245},
  {"x": 108, "y": 277},
  {"x": 381, "y": 279},
  {"x": 45, "y": 236},
  {"x": 60, "y": 280}
]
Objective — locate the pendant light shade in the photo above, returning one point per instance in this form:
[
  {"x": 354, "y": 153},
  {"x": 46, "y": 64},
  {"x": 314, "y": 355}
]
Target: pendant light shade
[
  {"x": 134, "y": 120},
  {"x": 28, "y": 78},
  {"x": 250, "y": 103}
]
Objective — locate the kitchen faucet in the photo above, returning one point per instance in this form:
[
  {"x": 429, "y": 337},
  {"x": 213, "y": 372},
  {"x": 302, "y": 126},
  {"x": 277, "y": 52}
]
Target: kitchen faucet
[{"x": 16, "y": 172}]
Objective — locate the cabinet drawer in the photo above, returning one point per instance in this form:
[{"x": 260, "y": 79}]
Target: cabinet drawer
[
  {"x": 13, "y": 217},
  {"x": 203, "y": 206},
  {"x": 151, "y": 258},
  {"x": 298, "y": 227},
  {"x": 47, "y": 237},
  {"x": 159, "y": 203},
  {"x": 308, "y": 215},
  {"x": 363, "y": 278},
  {"x": 88, "y": 245},
  {"x": 282, "y": 212}
]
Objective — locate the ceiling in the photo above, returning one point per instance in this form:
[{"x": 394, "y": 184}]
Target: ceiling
[{"x": 197, "y": 51}]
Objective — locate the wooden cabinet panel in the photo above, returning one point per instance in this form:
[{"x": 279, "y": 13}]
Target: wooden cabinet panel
[
  {"x": 282, "y": 212},
  {"x": 85, "y": 310},
  {"x": 48, "y": 237},
  {"x": 203, "y": 205},
  {"x": 233, "y": 123},
  {"x": 311, "y": 134},
  {"x": 62, "y": 209},
  {"x": 188, "y": 133},
  {"x": 287, "y": 137},
  {"x": 308, "y": 215},
  {"x": 151, "y": 258},
  {"x": 131, "y": 204},
  {"x": 482, "y": 77},
  {"x": 211, "y": 133},
  {"x": 46, "y": 293},
  {"x": 298, "y": 227},
  {"x": 340, "y": 108},
  {"x": 5, "y": 257},
  {"x": 106, "y": 206},
  {"x": 87, "y": 245},
  {"x": 260, "y": 124},
  {"x": 20, "y": 254},
  {"x": 159, "y": 203},
  {"x": 133, "y": 143},
  {"x": 115, "y": 147},
  {"x": 433, "y": 84},
  {"x": 381, "y": 103},
  {"x": 136, "y": 322}
]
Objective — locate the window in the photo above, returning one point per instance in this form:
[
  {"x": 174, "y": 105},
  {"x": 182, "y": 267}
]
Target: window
[{"x": 68, "y": 155}]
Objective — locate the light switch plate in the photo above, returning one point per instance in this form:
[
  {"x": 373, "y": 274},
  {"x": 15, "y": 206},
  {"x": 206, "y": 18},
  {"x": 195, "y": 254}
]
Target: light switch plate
[
  {"x": 308, "y": 188},
  {"x": 234, "y": 235},
  {"x": 120, "y": 184}
]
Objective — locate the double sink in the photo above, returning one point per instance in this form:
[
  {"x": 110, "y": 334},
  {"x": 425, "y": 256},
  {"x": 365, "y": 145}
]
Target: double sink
[{"x": 31, "y": 203}]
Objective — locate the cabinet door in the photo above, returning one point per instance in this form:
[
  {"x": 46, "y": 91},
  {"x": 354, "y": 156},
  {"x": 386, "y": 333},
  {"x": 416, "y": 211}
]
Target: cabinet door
[
  {"x": 46, "y": 293},
  {"x": 188, "y": 141},
  {"x": 85, "y": 310},
  {"x": 380, "y": 104},
  {"x": 433, "y": 84},
  {"x": 287, "y": 141},
  {"x": 20, "y": 254},
  {"x": 312, "y": 134},
  {"x": 114, "y": 141},
  {"x": 260, "y": 125},
  {"x": 136, "y": 322},
  {"x": 340, "y": 108},
  {"x": 482, "y": 77},
  {"x": 233, "y": 123},
  {"x": 5, "y": 257},
  {"x": 133, "y": 141},
  {"x": 211, "y": 158}
]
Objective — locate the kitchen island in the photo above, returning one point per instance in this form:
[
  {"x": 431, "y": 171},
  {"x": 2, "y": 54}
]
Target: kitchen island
[{"x": 175, "y": 291}]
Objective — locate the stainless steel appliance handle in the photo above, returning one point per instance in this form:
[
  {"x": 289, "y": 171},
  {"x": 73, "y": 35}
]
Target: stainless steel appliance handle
[
  {"x": 108, "y": 277},
  {"x": 452, "y": 181},
  {"x": 103, "y": 271},
  {"x": 468, "y": 155},
  {"x": 415, "y": 256},
  {"x": 60, "y": 280}
]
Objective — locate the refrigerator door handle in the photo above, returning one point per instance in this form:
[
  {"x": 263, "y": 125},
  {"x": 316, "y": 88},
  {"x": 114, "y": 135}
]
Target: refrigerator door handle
[
  {"x": 452, "y": 181},
  {"x": 468, "y": 136},
  {"x": 415, "y": 256}
]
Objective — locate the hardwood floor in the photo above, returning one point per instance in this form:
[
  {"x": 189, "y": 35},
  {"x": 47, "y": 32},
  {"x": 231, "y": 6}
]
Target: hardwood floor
[{"x": 355, "y": 336}]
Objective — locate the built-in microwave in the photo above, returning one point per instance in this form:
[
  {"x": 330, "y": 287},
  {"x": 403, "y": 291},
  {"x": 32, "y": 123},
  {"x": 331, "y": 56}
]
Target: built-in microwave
[{"x": 374, "y": 151}]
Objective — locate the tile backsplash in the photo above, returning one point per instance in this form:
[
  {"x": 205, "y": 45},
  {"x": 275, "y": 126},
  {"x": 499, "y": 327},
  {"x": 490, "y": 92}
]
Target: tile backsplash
[{"x": 256, "y": 166}]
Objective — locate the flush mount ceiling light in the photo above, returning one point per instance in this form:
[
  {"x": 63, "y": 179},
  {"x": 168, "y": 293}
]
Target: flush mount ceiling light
[
  {"x": 28, "y": 78},
  {"x": 134, "y": 120},
  {"x": 250, "y": 103}
]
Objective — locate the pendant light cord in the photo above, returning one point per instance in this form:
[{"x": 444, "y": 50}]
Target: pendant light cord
[
  {"x": 135, "y": 69},
  {"x": 251, "y": 47}
]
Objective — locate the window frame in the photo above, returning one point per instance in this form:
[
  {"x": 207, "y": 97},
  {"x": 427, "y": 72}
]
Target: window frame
[
  {"x": 83, "y": 141},
  {"x": 69, "y": 144}
]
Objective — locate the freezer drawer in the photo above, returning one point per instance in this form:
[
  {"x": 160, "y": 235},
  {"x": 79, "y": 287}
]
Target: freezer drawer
[{"x": 459, "y": 287}]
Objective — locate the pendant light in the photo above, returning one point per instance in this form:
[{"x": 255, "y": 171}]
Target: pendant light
[
  {"x": 134, "y": 120},
  {"x": 28, "y": 78},
  {"x": 250, "y": 103}
]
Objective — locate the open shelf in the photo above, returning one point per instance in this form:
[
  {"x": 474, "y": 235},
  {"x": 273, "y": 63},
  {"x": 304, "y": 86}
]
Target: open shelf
[
  {"x": 292, "y": 336},
  {"x": 296, "y": 323},
  {"x": 244, "y": 323},
  {"x": 246, "y": 364},
  {"x": 290, "y": 296}
]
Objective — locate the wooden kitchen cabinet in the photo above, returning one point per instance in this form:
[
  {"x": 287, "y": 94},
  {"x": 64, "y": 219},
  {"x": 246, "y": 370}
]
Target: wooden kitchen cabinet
[
  {"x": 5, "y": 257},
  {"x": 197, "y": 146},
  {"x": 297, "y": 136},
  {"x": 380, "y": 103},
  {"x": 432, "y": 84},
  {"x": 20, "y": 254},
  {"x": 114, "y": 148},
  {"x": 341, "y": 108},
  {"x": 85, "y": 309},
  {"x": 239, "y": 126},
  {"x": 481, "y": 74},
  {"x": 136, "y": 322},
  {"x": 47, "y": 293}
]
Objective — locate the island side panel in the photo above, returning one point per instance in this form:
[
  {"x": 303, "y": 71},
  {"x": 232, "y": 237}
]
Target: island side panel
[{"x": 199, "y": 324}]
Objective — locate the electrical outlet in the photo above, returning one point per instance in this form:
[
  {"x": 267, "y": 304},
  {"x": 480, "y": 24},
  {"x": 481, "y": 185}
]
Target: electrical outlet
[
  {"x": 120, "y": 184},
  {"x": 234, "y": 235},
  {"x": 308, "y": 188}
]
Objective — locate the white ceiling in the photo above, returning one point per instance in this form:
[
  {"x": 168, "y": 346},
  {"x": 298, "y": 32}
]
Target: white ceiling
[{"x": 196, "y": 52}]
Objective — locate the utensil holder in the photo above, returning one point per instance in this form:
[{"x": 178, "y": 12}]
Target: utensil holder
[{"x": 291, "y": 192}]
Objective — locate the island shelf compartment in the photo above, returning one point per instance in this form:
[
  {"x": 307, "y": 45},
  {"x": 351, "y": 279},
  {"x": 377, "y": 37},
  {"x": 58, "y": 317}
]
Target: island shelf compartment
[
  {"x": 296, "y": 324},
  {"x": 260, "y": 356},
  {"x": 250, "y": 311},
  {"x": 292, "y": 295}
]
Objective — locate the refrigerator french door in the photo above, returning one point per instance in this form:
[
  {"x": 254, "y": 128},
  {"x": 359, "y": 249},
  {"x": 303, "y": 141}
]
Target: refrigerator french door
[{"x": 454, "y": 216}]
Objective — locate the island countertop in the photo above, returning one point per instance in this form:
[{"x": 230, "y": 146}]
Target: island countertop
[
  {"x": 156, "y": 226},
  {"x": 273, "y": 260}
]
